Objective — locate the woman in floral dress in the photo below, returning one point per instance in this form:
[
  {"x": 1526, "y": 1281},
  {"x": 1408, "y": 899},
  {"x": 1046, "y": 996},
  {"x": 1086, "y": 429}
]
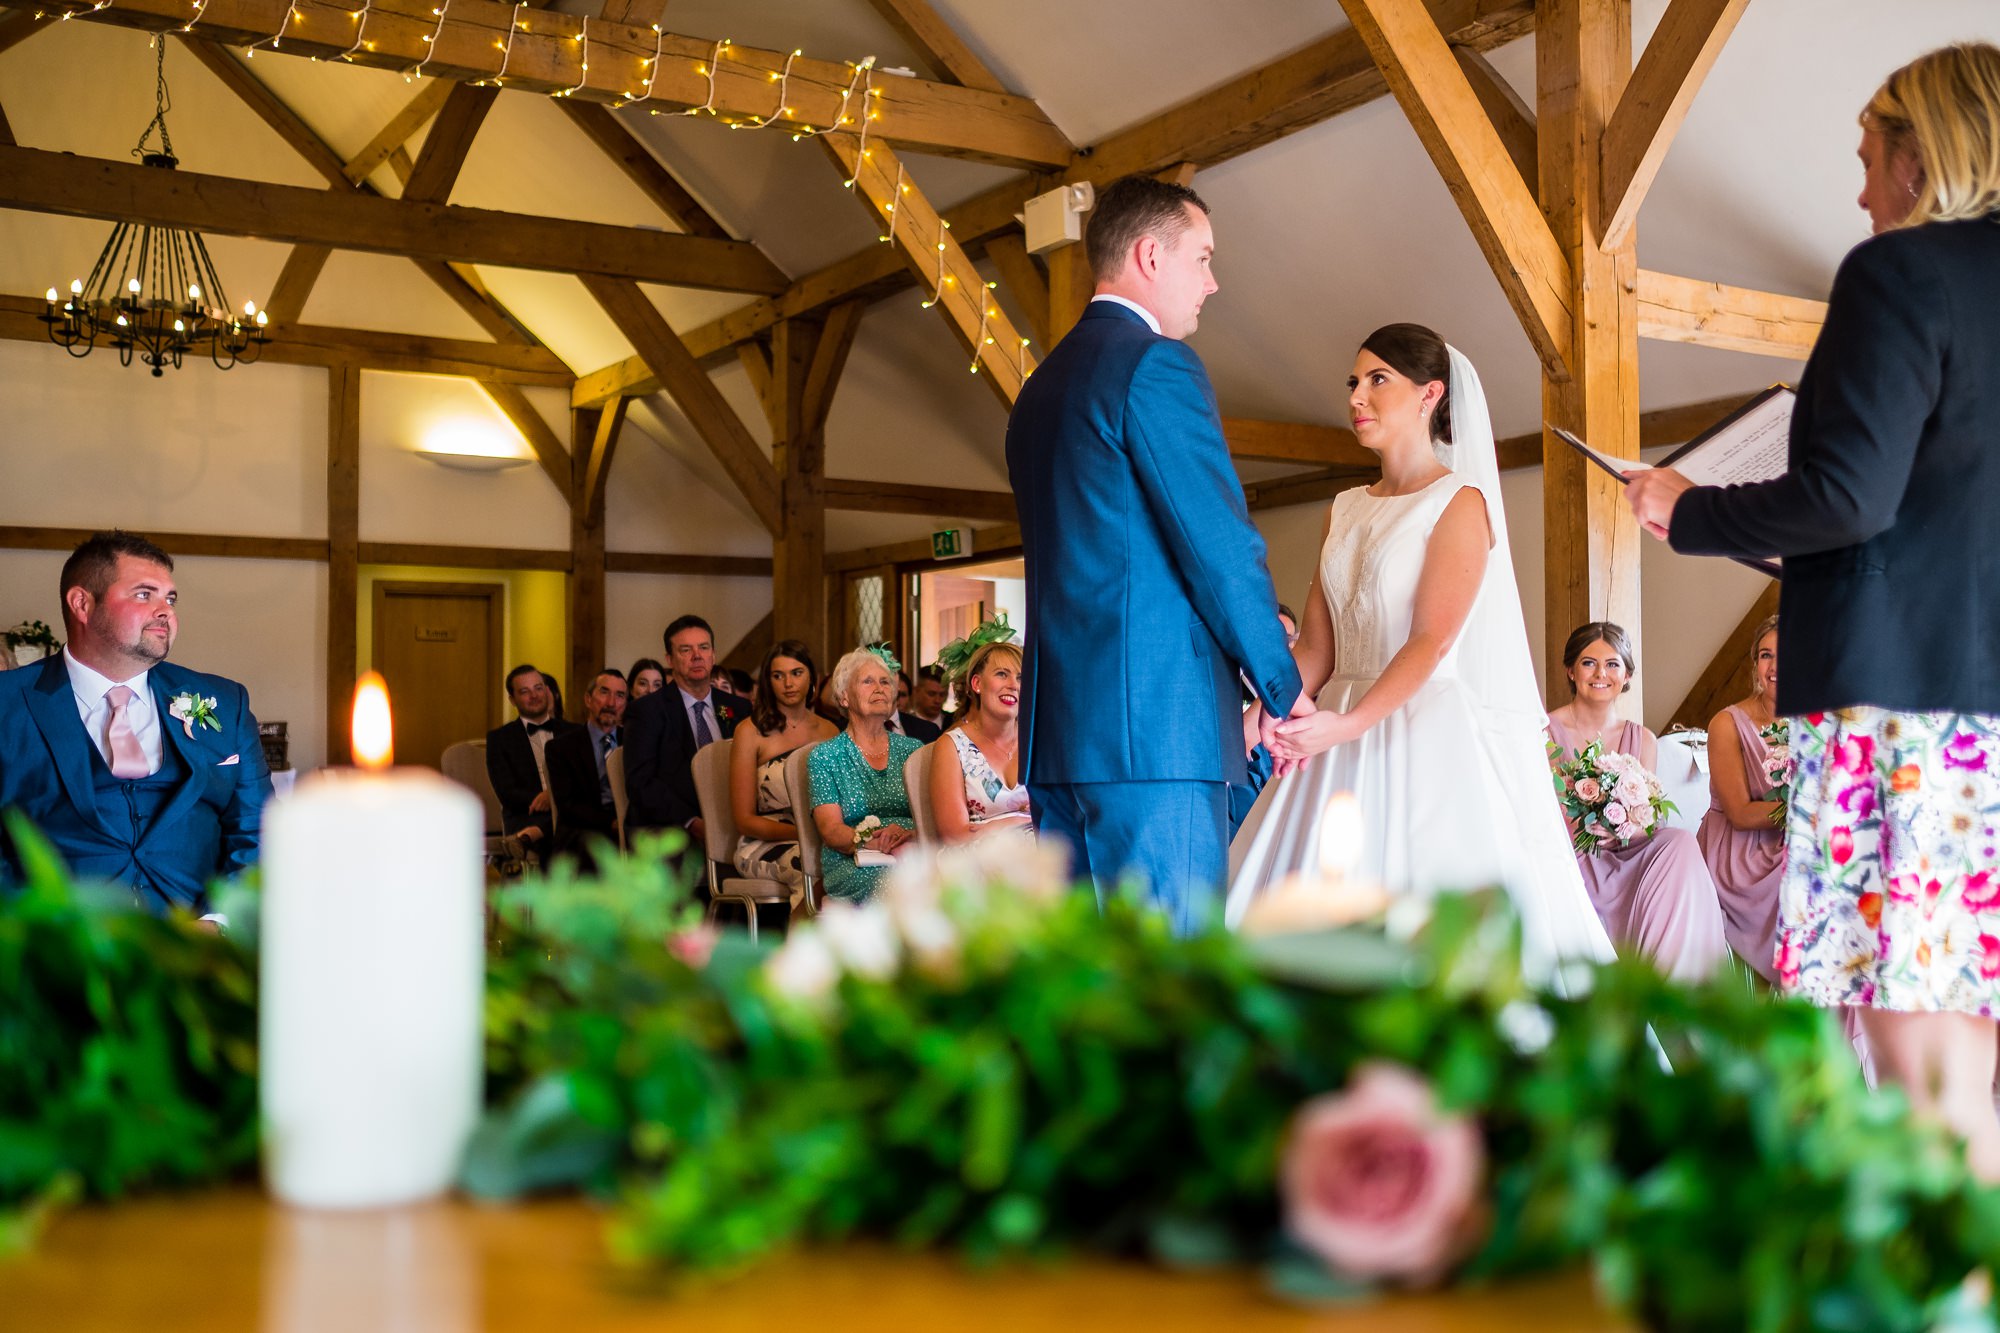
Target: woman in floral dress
[{"x": 1890, "y": 903}]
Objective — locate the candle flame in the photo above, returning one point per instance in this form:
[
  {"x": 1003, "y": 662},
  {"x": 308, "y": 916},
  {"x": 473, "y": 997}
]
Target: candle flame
[
  {"x": 1340, "y": 836},
  {"x": 374, "y": 736}
]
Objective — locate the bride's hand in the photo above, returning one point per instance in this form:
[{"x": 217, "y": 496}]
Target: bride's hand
[{"x": 1304, "y": 736}]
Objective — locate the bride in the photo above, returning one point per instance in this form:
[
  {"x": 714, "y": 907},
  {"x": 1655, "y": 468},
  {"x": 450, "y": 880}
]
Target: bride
[{"x": 1415, "y": 643}]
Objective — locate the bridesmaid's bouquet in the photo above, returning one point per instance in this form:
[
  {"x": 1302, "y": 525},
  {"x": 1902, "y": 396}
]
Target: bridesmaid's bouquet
[
  {"x": 1779, "y": 767},
  {"x": 1611, "y": 797}
]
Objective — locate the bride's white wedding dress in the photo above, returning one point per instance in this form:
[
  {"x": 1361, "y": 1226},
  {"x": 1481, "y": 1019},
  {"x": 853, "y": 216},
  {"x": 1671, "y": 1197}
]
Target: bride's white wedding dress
[{"x": 1453, "y": 787}]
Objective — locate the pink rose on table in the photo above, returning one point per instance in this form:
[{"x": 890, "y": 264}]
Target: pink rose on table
[
  {"x": 1614, "y": 814},
  {"x": 1589, "y": 792},
  {"x": 1378, "y": 1183}
]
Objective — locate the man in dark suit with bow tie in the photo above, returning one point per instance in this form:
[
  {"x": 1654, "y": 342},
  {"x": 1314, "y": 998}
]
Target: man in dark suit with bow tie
[
  {"x": 140, "y": 772},
  {"x": 516, "y": 764},
  {"x": 664, "y": 729},
  {"x": 578, "y": 775}
]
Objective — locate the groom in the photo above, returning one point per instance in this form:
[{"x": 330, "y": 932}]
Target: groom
[{"x": 1147, "y": 591}]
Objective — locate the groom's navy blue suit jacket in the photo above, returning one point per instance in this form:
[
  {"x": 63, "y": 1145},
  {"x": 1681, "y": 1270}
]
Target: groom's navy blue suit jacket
[
  {"x": 1147, "y": 587},
  {"x": 197, "y": 819}
]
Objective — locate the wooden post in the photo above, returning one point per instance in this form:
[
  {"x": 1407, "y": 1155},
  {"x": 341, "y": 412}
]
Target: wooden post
[
  {"x": 1583, "y": 52},
  {"x": 807, "y": 359},
  {"x": 593, "y": 440},
  {"x": 343, "y": 532},
  {"x": 1070, "y": 288}
]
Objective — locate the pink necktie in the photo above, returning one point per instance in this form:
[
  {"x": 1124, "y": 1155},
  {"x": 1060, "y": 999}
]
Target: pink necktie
[{"x": 128, "y": 757}]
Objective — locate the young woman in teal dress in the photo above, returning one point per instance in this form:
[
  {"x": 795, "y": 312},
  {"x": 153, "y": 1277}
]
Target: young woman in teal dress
[{"x": 858, "y": 775}]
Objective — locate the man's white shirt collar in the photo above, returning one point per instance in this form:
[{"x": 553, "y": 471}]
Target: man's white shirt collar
[
  {"x": 1131, "y": 305},
  {"x": 89, "y": 685}
]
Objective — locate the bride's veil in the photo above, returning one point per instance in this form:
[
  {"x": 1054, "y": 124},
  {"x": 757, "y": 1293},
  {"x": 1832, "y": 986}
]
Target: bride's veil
[{"x": 1493, "y": 645}]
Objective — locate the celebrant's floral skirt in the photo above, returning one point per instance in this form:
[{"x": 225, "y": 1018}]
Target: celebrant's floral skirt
[{"x": 1891, "y": 894}]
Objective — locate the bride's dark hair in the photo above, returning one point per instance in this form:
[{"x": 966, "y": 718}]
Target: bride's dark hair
[{"x": 1417, "y": 353}]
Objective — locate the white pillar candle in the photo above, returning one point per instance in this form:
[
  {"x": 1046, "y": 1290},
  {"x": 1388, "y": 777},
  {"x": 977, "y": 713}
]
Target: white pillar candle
[{"x": 372, "y": 966}]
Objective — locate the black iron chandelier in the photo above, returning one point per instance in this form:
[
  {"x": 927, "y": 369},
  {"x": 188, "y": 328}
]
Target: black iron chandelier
[{"x": 153, "y": 292}]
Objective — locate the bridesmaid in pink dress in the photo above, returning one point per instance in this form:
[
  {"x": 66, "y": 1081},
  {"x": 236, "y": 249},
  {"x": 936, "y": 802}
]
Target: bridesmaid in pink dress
[
  {"x": 1743, "y": 834},
  {"x": 1654, "y": 894}
]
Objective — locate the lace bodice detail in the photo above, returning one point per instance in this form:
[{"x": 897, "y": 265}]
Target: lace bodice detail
[{"x": 1369, "y": 567}]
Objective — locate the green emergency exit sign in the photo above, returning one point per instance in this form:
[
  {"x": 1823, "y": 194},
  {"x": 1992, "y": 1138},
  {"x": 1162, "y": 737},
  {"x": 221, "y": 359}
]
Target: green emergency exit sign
[{"x": 951, "y": 544}]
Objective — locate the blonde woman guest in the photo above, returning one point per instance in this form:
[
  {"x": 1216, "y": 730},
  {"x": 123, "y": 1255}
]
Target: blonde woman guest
[
  {"x": 1654, "y": 893},
  {"x": 1742, "y": 836},
  {"x": 781, "y": 720},
  {"x": 1890, "y": 903},
  {"x": 976, "y": 785},
  {"x": 857, "y": 777}
]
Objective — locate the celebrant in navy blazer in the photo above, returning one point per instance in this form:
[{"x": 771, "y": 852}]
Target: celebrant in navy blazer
[
  {"x": 1147, "y": 591},
  {"x": 140, "y": 772}
]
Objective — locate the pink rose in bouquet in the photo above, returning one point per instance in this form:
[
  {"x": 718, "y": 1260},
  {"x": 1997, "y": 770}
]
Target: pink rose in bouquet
[
  {"x": 1779, "y": 767},
  {"x": 1609, "y": 797},
  {"x": 1379, "y": 1183}
]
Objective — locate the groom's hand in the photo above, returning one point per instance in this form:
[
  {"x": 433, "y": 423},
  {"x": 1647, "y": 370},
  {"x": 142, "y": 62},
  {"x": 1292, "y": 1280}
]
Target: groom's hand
[{"x": 1284, "y": 753}]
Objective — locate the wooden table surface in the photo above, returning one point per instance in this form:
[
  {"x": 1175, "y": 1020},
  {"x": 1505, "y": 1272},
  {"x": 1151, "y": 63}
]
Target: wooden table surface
[{"x": 231, "y": 1260}]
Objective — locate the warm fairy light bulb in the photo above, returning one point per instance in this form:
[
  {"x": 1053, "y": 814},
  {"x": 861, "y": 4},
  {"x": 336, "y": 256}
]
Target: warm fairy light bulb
[
  {"x": 1340, "y": 836},
  {"x": 373, "y": 732}
]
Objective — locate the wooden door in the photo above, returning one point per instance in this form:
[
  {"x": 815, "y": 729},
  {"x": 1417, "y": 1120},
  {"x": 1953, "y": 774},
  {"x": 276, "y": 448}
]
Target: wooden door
[{"x": 438, "y": 646}]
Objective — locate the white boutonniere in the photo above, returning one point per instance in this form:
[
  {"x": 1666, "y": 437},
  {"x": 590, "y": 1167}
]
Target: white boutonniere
[{"x": 192, "y": 709}]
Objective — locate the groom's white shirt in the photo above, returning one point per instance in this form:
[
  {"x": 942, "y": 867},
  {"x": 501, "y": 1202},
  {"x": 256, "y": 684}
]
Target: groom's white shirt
[{"x": 1133, "y": 306}]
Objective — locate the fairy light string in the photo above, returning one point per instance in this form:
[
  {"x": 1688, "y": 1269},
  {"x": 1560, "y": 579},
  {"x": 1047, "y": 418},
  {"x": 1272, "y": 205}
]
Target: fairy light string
[
  {"x": 784, "y": 82},
  {"x": 416, "y": 71},
  {"x": 583, "y": 72},
  {"x": 291, "y": 12},
  {"x": 200, "y": 8},
  {"x": 506, "y": 47}
]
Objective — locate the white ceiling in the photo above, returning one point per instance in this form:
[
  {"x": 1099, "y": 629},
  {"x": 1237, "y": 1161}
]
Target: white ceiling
[{"x": 1321, "y": 236}]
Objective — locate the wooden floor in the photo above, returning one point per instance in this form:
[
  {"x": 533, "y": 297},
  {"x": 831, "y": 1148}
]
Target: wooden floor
[{"x": 230, "y": 1261}]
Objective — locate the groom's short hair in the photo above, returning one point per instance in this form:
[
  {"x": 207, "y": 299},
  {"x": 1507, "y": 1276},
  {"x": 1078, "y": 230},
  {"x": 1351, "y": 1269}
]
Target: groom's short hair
[
  {"x": 94, "y": 564},
  {"x": 1131, "y": 207}
]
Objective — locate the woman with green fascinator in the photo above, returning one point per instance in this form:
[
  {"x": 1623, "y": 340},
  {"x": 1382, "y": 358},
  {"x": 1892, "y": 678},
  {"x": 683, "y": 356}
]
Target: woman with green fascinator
[
  {"x": 860, "y": 802},
  {"x": 980, "y": 791}
]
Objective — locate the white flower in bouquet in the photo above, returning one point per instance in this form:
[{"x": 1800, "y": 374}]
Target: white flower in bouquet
[
  {"x": 803, "y": 968},
  {"x": 1631, "y": 790},
  {"x": 863, "y": 939}
]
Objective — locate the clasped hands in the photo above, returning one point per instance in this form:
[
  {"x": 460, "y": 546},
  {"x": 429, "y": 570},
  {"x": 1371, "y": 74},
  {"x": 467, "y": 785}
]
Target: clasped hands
[{"x": 1305, "y": 731}]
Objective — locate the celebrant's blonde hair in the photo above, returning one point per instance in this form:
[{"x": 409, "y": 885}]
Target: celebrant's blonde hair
[{"x": 1944, "y": 107}]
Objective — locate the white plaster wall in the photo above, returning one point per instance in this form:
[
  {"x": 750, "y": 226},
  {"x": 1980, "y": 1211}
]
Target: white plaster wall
[
  {"x": 638, "y": 608},
  {"x": 87, "y": 443}
]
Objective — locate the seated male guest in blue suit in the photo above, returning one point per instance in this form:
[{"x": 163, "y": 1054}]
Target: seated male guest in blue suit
[
  {"x": 140, "y": 772},
  {"x": 1147, "y": 589},
  {"x": 516, "y": 760},
  {"x": 578, "y": 776},
  {"x": 664, "y": 729}
]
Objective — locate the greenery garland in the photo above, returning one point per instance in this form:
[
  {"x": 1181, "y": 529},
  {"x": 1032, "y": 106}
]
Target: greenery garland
[{"x": 980, "y": 1058}]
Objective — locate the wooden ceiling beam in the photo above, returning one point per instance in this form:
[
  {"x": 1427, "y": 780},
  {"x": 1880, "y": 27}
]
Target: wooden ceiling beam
[
  {"x": 934, "y": 256},
  {"x": 19, "y": 26},
  {"x": 987, "y": 541},
  {"x": 1726, "y": 678},
  {"x": 416, "y": 113},
  {"x": 711, "y": 566},
  {"x": 866, "y": 275},
  {"x": 550, "y": 451},
  {"x": 632, "y": 157},
  {"x": 1736, "y": 319},
  {"x": 1655, "y": 102},
  {"x": 295, "y": 283},
  {"x": 545, "y": 54},
  {"x": 1024, "y": 282},
  {"x": 1660, "y": 427},
  {"x": 282, "y": 120},
  {"x": 88, "y": 187},
  {"x": 919, "y": 24},
  {"x": 1291, "y": 93},
  {"x": 691, "y": 389},
  {"x": 448, "y": 143},
  {"x": 1513, "y": 119},
  {"x": 881, "y": 497},
  {"x": 504, "y": 365},
  {"x": 829, "y": 361},
  {"x": 603, "y": 448},
  {"x": 1294, "y": 442},
  {"x": 1316, "y": 487},
  {"x": 1468, "y": 152}
]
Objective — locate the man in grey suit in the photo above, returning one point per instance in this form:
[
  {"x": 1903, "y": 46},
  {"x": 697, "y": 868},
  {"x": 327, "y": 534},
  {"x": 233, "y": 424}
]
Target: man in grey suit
[{"x": 1148, "y": 596}]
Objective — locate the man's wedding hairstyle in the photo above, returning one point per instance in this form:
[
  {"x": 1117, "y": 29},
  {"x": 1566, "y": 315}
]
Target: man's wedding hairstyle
[
  {"x": 1417, "y": 354},
  {"x": 1131, "y": 207},
  {"x": 92, "y": 565}
]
